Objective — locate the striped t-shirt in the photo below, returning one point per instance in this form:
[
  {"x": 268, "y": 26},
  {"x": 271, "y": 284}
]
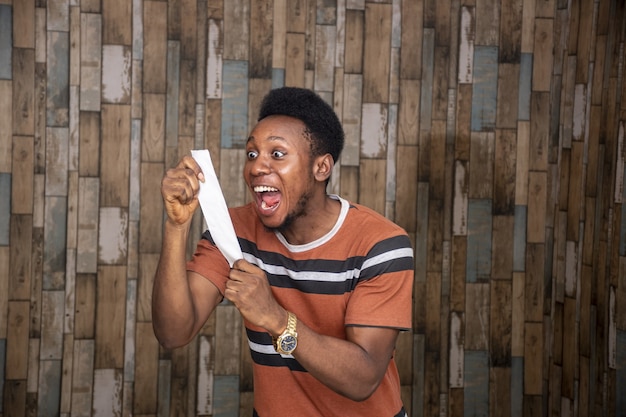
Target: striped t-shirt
[{"x": 358, "y": 274}]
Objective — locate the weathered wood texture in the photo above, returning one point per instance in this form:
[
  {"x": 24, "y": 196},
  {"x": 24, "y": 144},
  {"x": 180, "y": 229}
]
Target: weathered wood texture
[{"x": 493, "y": 131}]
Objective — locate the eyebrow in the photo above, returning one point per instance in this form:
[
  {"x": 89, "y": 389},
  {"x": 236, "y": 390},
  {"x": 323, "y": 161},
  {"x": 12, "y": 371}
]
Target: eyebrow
[{"x": 270, "y": 138}]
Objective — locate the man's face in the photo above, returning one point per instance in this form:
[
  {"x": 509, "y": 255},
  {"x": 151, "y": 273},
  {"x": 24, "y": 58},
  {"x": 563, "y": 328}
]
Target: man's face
[{"x": 278, "y": 170}]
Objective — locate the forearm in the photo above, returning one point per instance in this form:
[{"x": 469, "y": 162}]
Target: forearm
[
  {"x": 343, "y": 365},
  {"x": 173, "y": 312}
]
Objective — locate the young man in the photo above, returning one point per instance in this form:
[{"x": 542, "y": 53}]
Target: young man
[{"x": 325, "y": 285}]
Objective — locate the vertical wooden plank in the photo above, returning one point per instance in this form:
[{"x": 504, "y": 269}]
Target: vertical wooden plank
[
  {"x": 484, "y": 96},
  {"x": 110, "y": 316},
  {"x": 117, "y": 22},
  {"x": 409, "y": 110},
  {"x": 20, "y": 251},
  {"x": 85, "y": 307},
  {"x": 261, "y": 42},
  {"x": 236, "y": 18},
  {"x": 153, "y": 128},
  {"x": 89, "y": 147},
  {"x": 115, "y": 154},
  {"x": 149, "y": 262},
  {"x": 352, "y": 105},
  {"x": 116, "y": 74},
  {"x": 214, "y": 58},
  {"x": 23, "y": 92},
  {"x": 406, "y": 187},
  {"x": 49, "y": 390},
  {"x": 537, "y": 201},
  {"x": 23, "y": 175},
  {"x": 325, "y": 39},
  {"x": 543, "y": 54},
  {"x": 353, "y": 60},
  {"x": 155, "y": 46},
  {"x": 228, "y": 347},
  {"x": 294, "y": 67},
  {"x": 113, "y": 236},
  {"x": 6, "y": 120},
  {"x": 476, "y": 398},
  {"x": 477, "y": 308},
  {"x": 108, "y": 402},
  {"x": 54, "y": 237},
  {"x": 82, "y": 377},
  {"x": 17, "y": 340},
  {"x": 411, "y": 45},
  {"x": 372, "y": 177},
  {"x": 533, "y": 356},
  {"x": 235, "y": 104},
  {"x": 377, "y": 44},
  {"x": 146, "y": 370},
  {"x": 90, "y": 61},
  {"x": 52, "y": 303},
  {"x": 87, "y": 236},
  {"x": 151, "y": 208},
  {"x": 374, "y": 130}
]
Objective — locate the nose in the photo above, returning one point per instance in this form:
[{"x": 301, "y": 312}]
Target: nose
[{"x": 259, "y": 166}]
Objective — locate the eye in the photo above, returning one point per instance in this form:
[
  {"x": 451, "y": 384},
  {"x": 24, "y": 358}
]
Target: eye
[
  {"x": 252, "y": 154},
  {"x": 278, "y": 154}
]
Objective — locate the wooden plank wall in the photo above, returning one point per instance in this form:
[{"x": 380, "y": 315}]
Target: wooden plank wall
[{"x": 491, "y": 130}]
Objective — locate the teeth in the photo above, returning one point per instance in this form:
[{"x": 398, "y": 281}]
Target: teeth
[{"x": 264, "y": 188}]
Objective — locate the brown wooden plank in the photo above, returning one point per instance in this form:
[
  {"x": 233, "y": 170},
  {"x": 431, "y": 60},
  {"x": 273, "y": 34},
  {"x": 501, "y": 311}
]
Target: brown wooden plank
[
  {"x": 85, "y": 307},
  {"x": 110, "y": 317},
  {"x": 155, "y": 46},
  {"x": 146, "y": 370},
  {"x": 534, "y": 292},
  {"x": 372, "y": 182},
  {"x": 500, "y": 391},
  {"x": 6, "y": 120},
  {"x": 504, "y": 172},
  {"x": 522, "y": 163},
  {"x": 19, "y": 277},
  {"x": 500, "y": 333},
  {"x": 261, "y": 42},
  {"x": 543, "y": 54},
  {"x": 117, "y": 22},
  {"x": 24, "y": 24},
  {"x": 151, "y": 212},
  {"x": 477, "y": 308},
  {"x": 147, "y": 268},
  {"x": 537, "y": 204},
  {"x": 236, "y": 18},
  {"x": 463, "y": 122},
  {"x": 294, "y": 67},
  {"x": 23, "y": 92},
  {"x": 502, "y": 259},
  {"x": 507, "y": 101},
  {"x": 153, "y": 128},
  {"x": 17, "y": 334},
  {"x": 15, "y": 398},
  {"x": 279, "y": 33},
  {"x": 88, "y": 164},
  {"x": 482, "y": 153},
  {"x": 350, "y": 182},
  {"x": 533, "y": 358},
  {"x": 408, "y": 112},
  {"x": 23, "y": 175},
  {"x": 355, "y": 37},
  {"x": 377, "y": 46},
  {"x": 575, "y": 195},
  {"x": 406, "y": 186},
  {"x": 296, "y": 16},
  {"x": 115, "y": 155}
]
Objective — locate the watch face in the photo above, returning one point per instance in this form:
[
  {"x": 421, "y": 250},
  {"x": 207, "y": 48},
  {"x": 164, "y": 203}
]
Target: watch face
[{"x": 288, "y": 343}]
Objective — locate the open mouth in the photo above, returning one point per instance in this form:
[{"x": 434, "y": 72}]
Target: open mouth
[{"x": 267, "y": 198}]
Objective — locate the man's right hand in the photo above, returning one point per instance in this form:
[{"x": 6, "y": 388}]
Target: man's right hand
[{"x": 179, "y": 188}]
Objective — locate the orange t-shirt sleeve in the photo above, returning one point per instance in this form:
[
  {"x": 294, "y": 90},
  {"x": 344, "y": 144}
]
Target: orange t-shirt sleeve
[{"x": 209, "y": 262}]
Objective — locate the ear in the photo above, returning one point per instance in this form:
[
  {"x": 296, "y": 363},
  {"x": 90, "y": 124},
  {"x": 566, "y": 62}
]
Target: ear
[{"x": 323, "y": 167}]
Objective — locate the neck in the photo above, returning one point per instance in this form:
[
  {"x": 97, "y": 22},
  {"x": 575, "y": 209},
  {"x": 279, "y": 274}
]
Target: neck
[{"x": 315, "y": 223}]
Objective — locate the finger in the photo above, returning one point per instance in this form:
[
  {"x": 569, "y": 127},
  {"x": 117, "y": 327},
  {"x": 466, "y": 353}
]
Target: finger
[{"x": 188, "y": 163}]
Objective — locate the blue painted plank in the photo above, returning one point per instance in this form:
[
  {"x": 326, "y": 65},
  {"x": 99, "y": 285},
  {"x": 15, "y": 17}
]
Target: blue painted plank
[
  {"x": 476, "y": 398},
  {"x": 49, "y": 392},
  {"x": 519, "y": 239},
  {"x": 485, "y": 88},
  {"x": 525, "y": 87},
  {"x": 58, "y": 76},
  {"x": 6, "y": 41},
  {"x": 235, "y": 104},
  {"x": 479, "y": 231},
  {"x": 517, "y": 386},
  {"x": 226, "y": 391},
  {"x": 620, "y": 378},
  {"x": 278, "y": 78},
  {"x": 3, "y": 354},
  {"x": 54, "y": 251},
  {"x": 5, "y": 208}
]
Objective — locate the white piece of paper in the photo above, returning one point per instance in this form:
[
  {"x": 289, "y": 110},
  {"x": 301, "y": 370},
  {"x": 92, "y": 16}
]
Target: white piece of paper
[{"x": 215, "y": 210}]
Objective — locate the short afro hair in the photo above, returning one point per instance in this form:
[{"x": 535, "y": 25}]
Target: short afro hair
[{"x": 321, "y": 122}]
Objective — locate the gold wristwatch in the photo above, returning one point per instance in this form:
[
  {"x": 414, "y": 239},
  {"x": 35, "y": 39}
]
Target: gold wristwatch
[{"x": 286, "y": 343}]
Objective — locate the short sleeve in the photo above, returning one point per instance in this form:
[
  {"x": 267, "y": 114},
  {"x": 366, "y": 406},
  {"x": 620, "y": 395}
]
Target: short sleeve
[{"x": 209, "y": 262}]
